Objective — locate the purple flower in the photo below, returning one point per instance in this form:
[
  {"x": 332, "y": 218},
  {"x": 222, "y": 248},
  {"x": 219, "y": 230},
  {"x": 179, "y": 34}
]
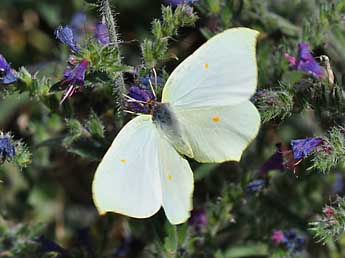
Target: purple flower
[
  {"x": 278, "y": 237},
  {"x": 275, "y": 162},
  {"x": 78, "y": 24},
  {"x": 328, "y": 211},
  {"x": 6, "y": 73},
  {"x": 146, "y": 80},
  {"x": 198, "y": 219},
  {"x": 78, "y": 21},
  {"x": 305, "y": 61},
  {"x": 139, "y": 100},
  {"x": 293, "y": 242},
  {"x": 102, "y": 34},
  {"x": 75, "y": 78},
  {"x": 177, "y": 2},
  {"x": 66, "y": 36},
  {"x": 301, "y": 148},
  {"x": 255, "y": 185},
  {"x": 7, "y": 149}
]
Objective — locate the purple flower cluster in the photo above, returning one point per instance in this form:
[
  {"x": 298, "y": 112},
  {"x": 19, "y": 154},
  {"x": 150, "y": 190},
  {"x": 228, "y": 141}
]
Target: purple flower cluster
[
  {"x": 70, "y": 35},
  {"x": 145, "y": 82},
  {"x": 102, "y": 34},
  {"x": 7, "y": 75},
  {"x": 301, "y": 148},
  {"x": 177, "y": 2},
  {"x": 289, "y": 159},
  {"x": 293, "y": 242},
  {"x": 66, "y": 36},
  {"x": 139, "y": 100},
  {"x": 74, "y": 78},
  {"x": 78, "y": 25},
  {"x": 198, "y": 219},
  {"x": 140, "y": 96},
  {"x": 7, "y": 149},
  {"x": 305, "y": 61}
]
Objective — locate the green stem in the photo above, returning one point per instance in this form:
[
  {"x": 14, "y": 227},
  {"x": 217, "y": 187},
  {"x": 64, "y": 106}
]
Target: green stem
[{"x": 119, "y": 82}]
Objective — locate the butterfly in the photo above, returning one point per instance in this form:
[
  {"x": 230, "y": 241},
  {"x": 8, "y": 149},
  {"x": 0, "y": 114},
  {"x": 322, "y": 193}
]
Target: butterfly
[{"x": 204, "y": 114}]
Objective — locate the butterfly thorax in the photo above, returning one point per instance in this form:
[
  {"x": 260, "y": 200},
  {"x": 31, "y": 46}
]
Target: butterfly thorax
[
  {"x": 167, "y": 123},
  {"x": 162, "y": 114}
]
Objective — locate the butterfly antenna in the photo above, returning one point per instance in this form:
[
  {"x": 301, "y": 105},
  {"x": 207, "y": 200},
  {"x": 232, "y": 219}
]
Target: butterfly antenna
[
  {"x": 156, "y": 77},
  {"x": 152, "y": 89},
  {"x": 133, "y": 99},
  {"x": 131, "y": 112}
]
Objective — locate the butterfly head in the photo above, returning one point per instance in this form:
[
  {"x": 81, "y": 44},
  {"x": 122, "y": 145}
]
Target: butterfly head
[{"x": 162, "y": 114}]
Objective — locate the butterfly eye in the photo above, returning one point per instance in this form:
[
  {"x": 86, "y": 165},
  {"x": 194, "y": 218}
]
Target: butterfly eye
[{"x": 2, "y": 73}]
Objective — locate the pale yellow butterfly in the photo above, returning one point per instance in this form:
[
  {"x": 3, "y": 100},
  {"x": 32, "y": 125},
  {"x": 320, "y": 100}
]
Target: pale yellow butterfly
[{"x": 205, "y": 114}]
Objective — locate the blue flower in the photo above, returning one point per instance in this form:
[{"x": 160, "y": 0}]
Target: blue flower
[
  {"x": 78, "y": 21},
  {"x": 75, "y": 78},
  {"x": 293, "y": 242},
  {"x": 255, "y": 185},
  {"x": 301, "y": 148},
  {"x": 145, "y": 81},
  {"x": 102, "y": 34},
  {"x": 177, "y": 2},
  {"x": 65, "y": 35},
  {"x": 6, "y": 73},
  {"x": 7, "y": 149},
  {"x": 198, "y": 219},
  {"x": 139, "y": 100},
  {"x": 78, "y": 25},
  {"x": 305, "y": 61}
]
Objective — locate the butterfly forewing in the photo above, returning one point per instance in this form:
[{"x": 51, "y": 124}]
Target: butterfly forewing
[{"x": 221, "y": 72}]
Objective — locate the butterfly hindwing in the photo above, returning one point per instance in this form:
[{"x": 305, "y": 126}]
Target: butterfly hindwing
[
  {"x": 127, "y": 180},
  {"x": 219, "y": 134},
  {"x": 177, "y": 183}
]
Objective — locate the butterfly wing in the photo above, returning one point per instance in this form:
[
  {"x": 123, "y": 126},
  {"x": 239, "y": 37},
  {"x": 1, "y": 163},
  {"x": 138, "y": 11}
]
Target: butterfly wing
[
  {"x": 221, "y": 72},
  {"x": 177, "y": 183},
  {"x": 219, "y": 134},
  {"x": 127, "y": 180},
  {"x": 141, "y": 172}
]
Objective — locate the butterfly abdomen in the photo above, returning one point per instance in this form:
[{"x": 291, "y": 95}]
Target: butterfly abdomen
[{"x": 167, "y": 124}]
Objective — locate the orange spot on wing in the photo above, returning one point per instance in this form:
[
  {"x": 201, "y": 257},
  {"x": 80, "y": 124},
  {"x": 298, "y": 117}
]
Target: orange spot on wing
[
  {"x": 206, "y": 66},
  {"x": 216, "y": 119},
  {"x": 123, "y": 161}
]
